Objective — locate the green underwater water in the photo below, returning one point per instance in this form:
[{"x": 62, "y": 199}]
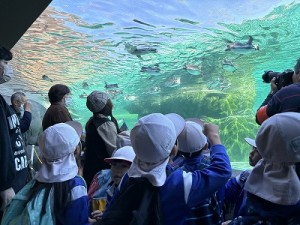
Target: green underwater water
[{"x": 84, "y": 53}]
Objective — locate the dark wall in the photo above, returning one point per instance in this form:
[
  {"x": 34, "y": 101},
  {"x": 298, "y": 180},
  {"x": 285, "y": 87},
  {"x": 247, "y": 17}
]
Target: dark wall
[{"x": 16, "y": 16}]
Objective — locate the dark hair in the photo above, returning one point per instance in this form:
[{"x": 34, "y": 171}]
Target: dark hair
[
  {"x": 17, "y": 96},
  {"x": 61, "y": 192},
  {"x": 57, "y": 92},
  {"x": 190, "y": 155},
  {"x": 5, "y": 54}
]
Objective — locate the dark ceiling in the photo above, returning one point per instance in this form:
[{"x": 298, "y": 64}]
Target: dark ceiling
[{"x": 16, "y": 17}]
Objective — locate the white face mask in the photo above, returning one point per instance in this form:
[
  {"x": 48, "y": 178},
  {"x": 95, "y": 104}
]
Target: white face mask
[
  {"x": 68, "y": 101},
  {"x": 21, "y": 108},
  {"x": 7, "y": 73}
]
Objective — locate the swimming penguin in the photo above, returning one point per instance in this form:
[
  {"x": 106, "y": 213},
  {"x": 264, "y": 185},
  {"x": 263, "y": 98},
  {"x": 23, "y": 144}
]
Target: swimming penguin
[
  {"x": 193, "y": 69},
  {"x": 173, "y": 81},
  {"x": 242, "y": 48},
  {"x": 111, "y": 86},
  {"x": 46, "y": 78},
  {"x": 139, "y": 51},
  {"x": 228, "y": 66},
  {"x": 152, "y": 70},
  {"x": 85, "y": 84}
]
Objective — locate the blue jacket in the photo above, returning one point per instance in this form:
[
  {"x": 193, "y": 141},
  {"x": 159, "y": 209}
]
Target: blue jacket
[
  {"x": 258, "y": 209},
  {"x": 210, "y": 210},
  {"x": 183, "y": 190},
  {"x": 76, "y": 212},
  {"x": 234, "y": 196}
]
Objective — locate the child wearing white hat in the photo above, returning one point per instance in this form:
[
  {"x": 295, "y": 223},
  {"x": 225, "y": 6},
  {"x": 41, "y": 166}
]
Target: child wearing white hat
[
  {"x": 120, "y": 162},
  {"x": 153, "y": 139},
  {"x": 273, "y": 186},
  {"x": 58, "y": 177},
  {"x": 191, "y": 145}
]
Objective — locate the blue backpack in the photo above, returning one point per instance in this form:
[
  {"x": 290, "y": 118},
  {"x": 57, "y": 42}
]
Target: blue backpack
[{"x": 22, "y": 211}]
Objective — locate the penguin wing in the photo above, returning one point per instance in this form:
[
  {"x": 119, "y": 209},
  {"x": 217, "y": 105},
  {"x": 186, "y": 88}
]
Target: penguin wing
[{"x": 249, "y": 42}]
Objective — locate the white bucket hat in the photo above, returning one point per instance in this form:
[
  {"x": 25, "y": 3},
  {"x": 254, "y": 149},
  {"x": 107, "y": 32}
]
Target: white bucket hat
[
  {"x": 125, "y": 153},
  {"x": 191, "y": 138},
  {"x": 152, "y": 139},
  {"x": 274, "y": 177},
  {"x": 178, "y": 122},
  {"x": 57, "y": 144}
]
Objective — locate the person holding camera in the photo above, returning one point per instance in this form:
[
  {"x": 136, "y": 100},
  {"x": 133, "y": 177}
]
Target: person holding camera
[{"x": 285, "y": 99}]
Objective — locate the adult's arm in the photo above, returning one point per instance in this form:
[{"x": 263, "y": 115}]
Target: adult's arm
[
  {"x": 25, "y": 121},
  {"x": 269, "y": 105}
]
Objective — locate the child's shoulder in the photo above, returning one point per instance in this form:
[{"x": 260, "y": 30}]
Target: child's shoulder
[{"x": 77, "y": 181}]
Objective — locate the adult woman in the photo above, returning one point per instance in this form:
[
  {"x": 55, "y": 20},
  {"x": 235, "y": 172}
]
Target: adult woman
[
  {"x": 101, "y": 134},
  {"x": 59, "y": 97}
]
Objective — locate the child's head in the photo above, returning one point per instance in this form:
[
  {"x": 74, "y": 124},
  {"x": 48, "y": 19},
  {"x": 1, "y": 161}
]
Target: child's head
[
  {"x": 57, "y": 144},
  {"x": 191, "y": 140},
  {"x": 153, "y": 138},
  {"x": 120, "y": 163}
]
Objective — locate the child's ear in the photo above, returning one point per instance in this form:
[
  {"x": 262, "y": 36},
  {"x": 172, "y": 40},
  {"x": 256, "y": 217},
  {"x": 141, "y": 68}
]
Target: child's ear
[{"x": 174, "y": 151}]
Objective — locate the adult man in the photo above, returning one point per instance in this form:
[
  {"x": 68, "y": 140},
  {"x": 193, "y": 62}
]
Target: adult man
[
  {"x": 286, "y": 99},
  {"x": 13, "y": 160},
  {"x": 23, "y": 110}
]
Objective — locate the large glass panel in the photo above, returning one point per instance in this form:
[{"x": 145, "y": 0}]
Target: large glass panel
[{"x": 162, "y": 56}]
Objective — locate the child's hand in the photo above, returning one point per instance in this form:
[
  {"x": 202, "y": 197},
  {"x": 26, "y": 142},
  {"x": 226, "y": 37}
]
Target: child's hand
[{"x": 95, "y": 216}]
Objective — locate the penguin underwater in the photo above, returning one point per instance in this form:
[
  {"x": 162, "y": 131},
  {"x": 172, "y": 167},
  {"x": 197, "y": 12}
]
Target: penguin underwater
[{"x": 242, "y": 48}]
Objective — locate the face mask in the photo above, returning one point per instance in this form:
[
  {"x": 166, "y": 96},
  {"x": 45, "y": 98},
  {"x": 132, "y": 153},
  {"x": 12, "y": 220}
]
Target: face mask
[
  {"x": 21, "y": 110},
  {"x": 7, "y": 73},
  {"x": 68, "y": 101}
]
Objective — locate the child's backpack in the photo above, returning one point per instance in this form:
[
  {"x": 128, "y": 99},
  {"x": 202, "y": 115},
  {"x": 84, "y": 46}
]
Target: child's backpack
[
  {"x": 136, "y": 204},
  {"x": 99, "y": 184},
  {"x": 22, "y": 211}
]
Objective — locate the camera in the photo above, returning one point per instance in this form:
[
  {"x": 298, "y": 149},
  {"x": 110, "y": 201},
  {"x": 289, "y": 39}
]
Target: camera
[{"x": 282, "y": 79}]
